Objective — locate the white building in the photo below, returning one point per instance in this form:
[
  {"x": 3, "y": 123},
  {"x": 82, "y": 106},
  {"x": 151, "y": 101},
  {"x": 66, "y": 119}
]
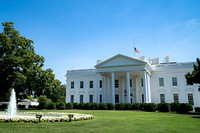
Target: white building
[{"x": 121, "y": 79}]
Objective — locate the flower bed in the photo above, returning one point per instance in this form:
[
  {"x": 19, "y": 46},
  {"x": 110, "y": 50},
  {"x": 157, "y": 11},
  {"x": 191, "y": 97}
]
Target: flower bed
[{"x": 46, "y": 117}]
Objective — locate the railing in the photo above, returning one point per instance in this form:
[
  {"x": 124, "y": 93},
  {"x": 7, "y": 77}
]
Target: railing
[
  {"x": 175, "y": 65},
  {"x": 81, "y": 71}
]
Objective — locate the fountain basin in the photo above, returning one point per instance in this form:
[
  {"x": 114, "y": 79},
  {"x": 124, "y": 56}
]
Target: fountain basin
[{"x": 46, "y": 117}]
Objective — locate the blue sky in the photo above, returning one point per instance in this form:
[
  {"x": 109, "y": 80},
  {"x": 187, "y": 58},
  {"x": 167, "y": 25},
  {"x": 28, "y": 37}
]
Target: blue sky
[{"x": 75, "y": 33}]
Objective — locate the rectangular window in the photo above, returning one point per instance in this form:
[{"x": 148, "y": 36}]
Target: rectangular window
[
  {"x": 116, "y": 98},
  {"x": 100, "y": 99},
  {"x": 130, "y": 82},
  {"x": 72, "y": 85},
  {"x": 176, "y": 98},
  {"x": 81, "y": 98},
  {"x": 142, "y": 98},
  {"x": 161, "y": 81},
  {"x": 81, "y": 84},
  {"x": 142, "y": 83},
  {"x": 72, "y": 98},
  {"x": 174, "y": 81},
  {"x": 91, "y": 98},
  {"x": 116, "y": 83},
  {"x": 100, "y": 84},
  {"x": 91, "y": 84},
  {"x": 162, "y": 98},
  {"x": 190, "y": 99}
]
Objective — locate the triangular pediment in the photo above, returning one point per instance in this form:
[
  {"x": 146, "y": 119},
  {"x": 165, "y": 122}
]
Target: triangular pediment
[{"x": 120, "y": 60}]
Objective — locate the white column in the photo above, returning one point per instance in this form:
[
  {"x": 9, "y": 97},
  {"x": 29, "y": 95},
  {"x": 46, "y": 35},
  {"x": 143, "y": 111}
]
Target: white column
[
  {"x": 145, "y": 86},
  {"x": 149, "y": 88},
  {"x": 104, "y": 89},
  {"x": 128, "y": 86},
  {"x": 123, "y": 89},
  {"x": 113, "y": 87},
  {"x": 137, "y": 89},
  {"x": 98, "y": 89}
]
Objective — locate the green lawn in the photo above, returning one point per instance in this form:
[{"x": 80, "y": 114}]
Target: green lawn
[{"x": 114, "y": 122}]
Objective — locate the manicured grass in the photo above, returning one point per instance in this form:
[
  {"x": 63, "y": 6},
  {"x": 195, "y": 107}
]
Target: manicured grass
[{"x": 112, "y": 122}]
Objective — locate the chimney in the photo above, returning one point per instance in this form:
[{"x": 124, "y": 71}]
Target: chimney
[{"x": 167, "y": 59}]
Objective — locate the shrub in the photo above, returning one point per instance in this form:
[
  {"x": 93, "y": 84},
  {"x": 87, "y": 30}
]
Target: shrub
[
  {"x": 33, "y": 107},
  {"x": 127, "y": 106},
  {"x": 60, "y": 105},
  {"x": 135, "y": 106},
  {"x": 163, "y": 107},
  {"x": 94, "y": 106},
  {"x": 43, "y": 102},
  {"x": 150, "y": 107},
  {"x": 51, "y": 105},
  {"x": 81, "y": 106},
  {"x": 102, "y": 106},
  {"x": 184, "y": 108},
  {"x": 197, "y": 109},
  {"x": 119, "y": 106},
  {"x": 3, "y": 106},
  {"x": 110, "y": 106},
  {"x": 87, "y": 105},
  {"x": 142, "y": 106},
  {"x": 75, "y": 105},
  {"x": 174, "y": 106},
  {"x": 21, "y": 106},
  {"x": 69, "y": 106}
]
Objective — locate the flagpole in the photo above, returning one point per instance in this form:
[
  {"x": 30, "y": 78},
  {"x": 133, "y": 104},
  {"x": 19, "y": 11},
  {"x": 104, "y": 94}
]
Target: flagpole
[{"x": 134, "y": 46}]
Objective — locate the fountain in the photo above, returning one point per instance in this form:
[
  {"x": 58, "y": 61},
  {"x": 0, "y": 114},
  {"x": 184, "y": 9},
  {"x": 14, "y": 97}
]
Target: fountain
[
  {"x": 12, "y": 106},
  {"x": 11, "y": 114}
]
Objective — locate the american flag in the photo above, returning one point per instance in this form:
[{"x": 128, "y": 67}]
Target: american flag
[{"x": 136, "y": 50}]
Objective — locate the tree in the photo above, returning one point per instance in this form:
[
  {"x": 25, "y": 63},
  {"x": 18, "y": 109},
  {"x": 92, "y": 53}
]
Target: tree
[
  {"x": 194, "y": 76},
  {"x": 21, "y": 67}
]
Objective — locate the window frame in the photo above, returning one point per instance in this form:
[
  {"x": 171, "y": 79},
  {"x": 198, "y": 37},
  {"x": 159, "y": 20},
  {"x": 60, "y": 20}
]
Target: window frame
[
  {"x": 174, "y": 81},
  {"x": 91, "y": 84},
  {"x": 81, "y": 84},
  {"x": 72, "y": 85},
  {"x": 161, "y": 82}
]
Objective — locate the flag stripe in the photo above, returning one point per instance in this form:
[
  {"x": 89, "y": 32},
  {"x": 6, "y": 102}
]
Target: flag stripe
[{"x": 136, "y": 50}]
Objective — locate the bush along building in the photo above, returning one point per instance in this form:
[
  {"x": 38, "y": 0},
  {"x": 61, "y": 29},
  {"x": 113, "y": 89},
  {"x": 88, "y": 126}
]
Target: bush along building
[{"x": 124, "y": 79}]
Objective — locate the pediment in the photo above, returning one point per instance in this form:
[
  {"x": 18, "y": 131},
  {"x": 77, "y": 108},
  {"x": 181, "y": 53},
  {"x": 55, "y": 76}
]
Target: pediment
[{"x": 120, "y": 60}]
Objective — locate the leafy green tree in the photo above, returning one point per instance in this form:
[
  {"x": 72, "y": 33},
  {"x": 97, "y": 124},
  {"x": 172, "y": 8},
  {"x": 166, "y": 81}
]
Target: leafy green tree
[
  {"x": 18, "y": 61},
  {"x": 21, "y": 68},
  {"x": 194, "y": 76}
]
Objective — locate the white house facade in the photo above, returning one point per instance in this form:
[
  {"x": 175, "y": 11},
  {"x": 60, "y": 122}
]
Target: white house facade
[{"x": 123, "y": 79}]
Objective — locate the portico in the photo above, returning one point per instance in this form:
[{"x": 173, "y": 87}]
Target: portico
[{"x": 124, "y": 80}]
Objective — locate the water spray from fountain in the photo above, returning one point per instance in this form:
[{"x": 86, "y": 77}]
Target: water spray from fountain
[{"x": 12, "y": 106}]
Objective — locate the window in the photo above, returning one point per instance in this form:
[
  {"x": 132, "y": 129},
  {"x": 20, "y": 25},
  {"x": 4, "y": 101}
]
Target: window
[
  {"x": 72, "y": 98},
  {"x": 100, "y": 99},
  {"x": 81, "y": 84},
  {"x": 190, "y": 99},
  {"x": 199, "y": 88},
  {"x": 116, "y": 83},
  {"x": 174, "y": 81},
  {"x": 142, "y": 83},
  {"x": 176, "y": 99},
  {"x": 91, "y": 98},
  {"x": 81, "y": 98},
  {"x": 161, "y": 81},
  {"x": 142, "y": 98},
  {"x": 91, "y": 84},
  {"x": 130, "y": 82},
  {"x": 162, "y": 98},
  {"x": 116, "y": 98},
  {"x": 100, "y": 84},
  {"x": 72, "y": 85}
]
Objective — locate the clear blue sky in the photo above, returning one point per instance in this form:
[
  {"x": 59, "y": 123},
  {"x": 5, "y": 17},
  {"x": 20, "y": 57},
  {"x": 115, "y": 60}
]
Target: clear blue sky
[{"x": 75, "y": 33}]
